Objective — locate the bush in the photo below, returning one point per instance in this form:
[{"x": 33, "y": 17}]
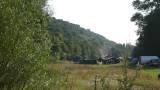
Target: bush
[{"x": 24, "y": 43}]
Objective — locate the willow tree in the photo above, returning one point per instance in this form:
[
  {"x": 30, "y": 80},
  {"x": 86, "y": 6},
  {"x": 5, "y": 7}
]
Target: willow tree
[{"x": 24, "y": 42}]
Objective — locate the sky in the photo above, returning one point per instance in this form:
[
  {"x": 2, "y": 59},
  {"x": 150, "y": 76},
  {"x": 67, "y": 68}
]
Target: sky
[{"x": 110, "y": 18}]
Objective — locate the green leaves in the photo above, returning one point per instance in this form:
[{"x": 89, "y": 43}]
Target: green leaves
[
  {"x": 147, "y": 19},
  {"x": 24, "y": 42},
  {"x": 145, "y": 5},
  {"x": 71, "y": 41}
]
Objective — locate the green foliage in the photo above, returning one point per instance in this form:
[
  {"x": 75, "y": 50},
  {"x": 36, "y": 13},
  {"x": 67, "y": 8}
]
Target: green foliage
[
  {"x": 73, "y": 40},
  {"x": 57, "y": 45},
  {"x": 147, "y": 18},
  {"x": 24, "y": 43}
]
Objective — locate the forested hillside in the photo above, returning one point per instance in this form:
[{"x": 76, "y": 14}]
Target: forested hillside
[{"x": 70, "y": 40}]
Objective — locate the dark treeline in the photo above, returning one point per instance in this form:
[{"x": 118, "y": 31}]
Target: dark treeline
[
  {"x": 148, "y": 20},
  {"x": 70, "y": 40}
]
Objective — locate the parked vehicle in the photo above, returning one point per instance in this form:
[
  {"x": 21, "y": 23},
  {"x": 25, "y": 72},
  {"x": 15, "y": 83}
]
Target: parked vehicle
[
  {"x": 148, "y": 59},
  {"x": 154, "y": 62}
]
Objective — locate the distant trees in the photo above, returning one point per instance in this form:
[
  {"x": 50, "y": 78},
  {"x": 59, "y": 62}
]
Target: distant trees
[
  {"x": 121, "y": 50},
  {"x": 71, "y": 41},
  {"x": 24, "y": 43},
  {"x": 148, "y": 20},
  {"x": 57, "y": 45}
]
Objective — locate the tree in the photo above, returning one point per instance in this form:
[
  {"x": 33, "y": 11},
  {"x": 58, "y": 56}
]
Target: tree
[
  {"x": 24, "y": 43},
  {"x": 147, "y": 19},
  {"x": 81, "y": 42},
  {"x": 57, "y": 44}
]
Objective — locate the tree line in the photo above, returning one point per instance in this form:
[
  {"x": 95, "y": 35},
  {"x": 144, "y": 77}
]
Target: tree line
[
  {"x": 147, "y": 18},
  {"x": 70, "y": 40}
]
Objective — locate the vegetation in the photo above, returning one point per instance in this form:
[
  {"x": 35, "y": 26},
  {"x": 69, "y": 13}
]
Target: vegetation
[
  {"x": 27, "y": 43},
  {"x": 24, "y": 44},
  {"x": 106, "y": 77},
  {"x": 71, "y": 40},
  {"x": 147, "y": 19}
]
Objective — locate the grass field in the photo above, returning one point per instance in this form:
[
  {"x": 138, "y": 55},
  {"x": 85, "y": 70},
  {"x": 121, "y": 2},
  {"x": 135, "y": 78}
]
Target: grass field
[{"x": 83, "y": 77}]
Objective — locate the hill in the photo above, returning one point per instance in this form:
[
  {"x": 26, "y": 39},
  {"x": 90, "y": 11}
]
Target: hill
[{"x": 70, "y": 40}]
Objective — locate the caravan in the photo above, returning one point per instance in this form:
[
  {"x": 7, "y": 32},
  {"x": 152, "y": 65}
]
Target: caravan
[
  {"x": 149, "y": 60},
  {"x": 146, "y": 60}
]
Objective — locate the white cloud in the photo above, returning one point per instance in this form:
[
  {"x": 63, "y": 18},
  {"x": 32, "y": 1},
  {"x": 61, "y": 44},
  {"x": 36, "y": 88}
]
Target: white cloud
[{"x": 110, "y": 18}]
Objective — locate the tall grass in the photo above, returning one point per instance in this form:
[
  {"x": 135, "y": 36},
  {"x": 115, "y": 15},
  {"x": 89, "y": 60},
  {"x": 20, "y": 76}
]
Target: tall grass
[
  {"x": 102, "y": 77},
  {"x": 121, "y": 82}
]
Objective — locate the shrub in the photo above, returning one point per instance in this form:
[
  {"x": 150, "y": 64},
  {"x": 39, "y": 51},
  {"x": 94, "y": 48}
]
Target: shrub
[{"x": 24, "y": 42}]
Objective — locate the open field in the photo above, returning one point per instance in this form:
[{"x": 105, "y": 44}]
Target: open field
[{"x": 83, "y": 77}]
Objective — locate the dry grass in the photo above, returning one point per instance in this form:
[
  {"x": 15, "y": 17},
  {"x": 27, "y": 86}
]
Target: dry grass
[{"x": 81, "y": 77}]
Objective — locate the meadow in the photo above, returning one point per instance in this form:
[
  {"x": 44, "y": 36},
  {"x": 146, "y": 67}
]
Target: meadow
[{"x": 105, "y": 77}]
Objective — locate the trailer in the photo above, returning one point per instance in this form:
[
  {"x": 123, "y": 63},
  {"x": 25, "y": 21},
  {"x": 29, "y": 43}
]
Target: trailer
[{"x": 149, "y": 59}]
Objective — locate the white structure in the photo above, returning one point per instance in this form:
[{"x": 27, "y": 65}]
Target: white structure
[{"x": 147, "y": 59}]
